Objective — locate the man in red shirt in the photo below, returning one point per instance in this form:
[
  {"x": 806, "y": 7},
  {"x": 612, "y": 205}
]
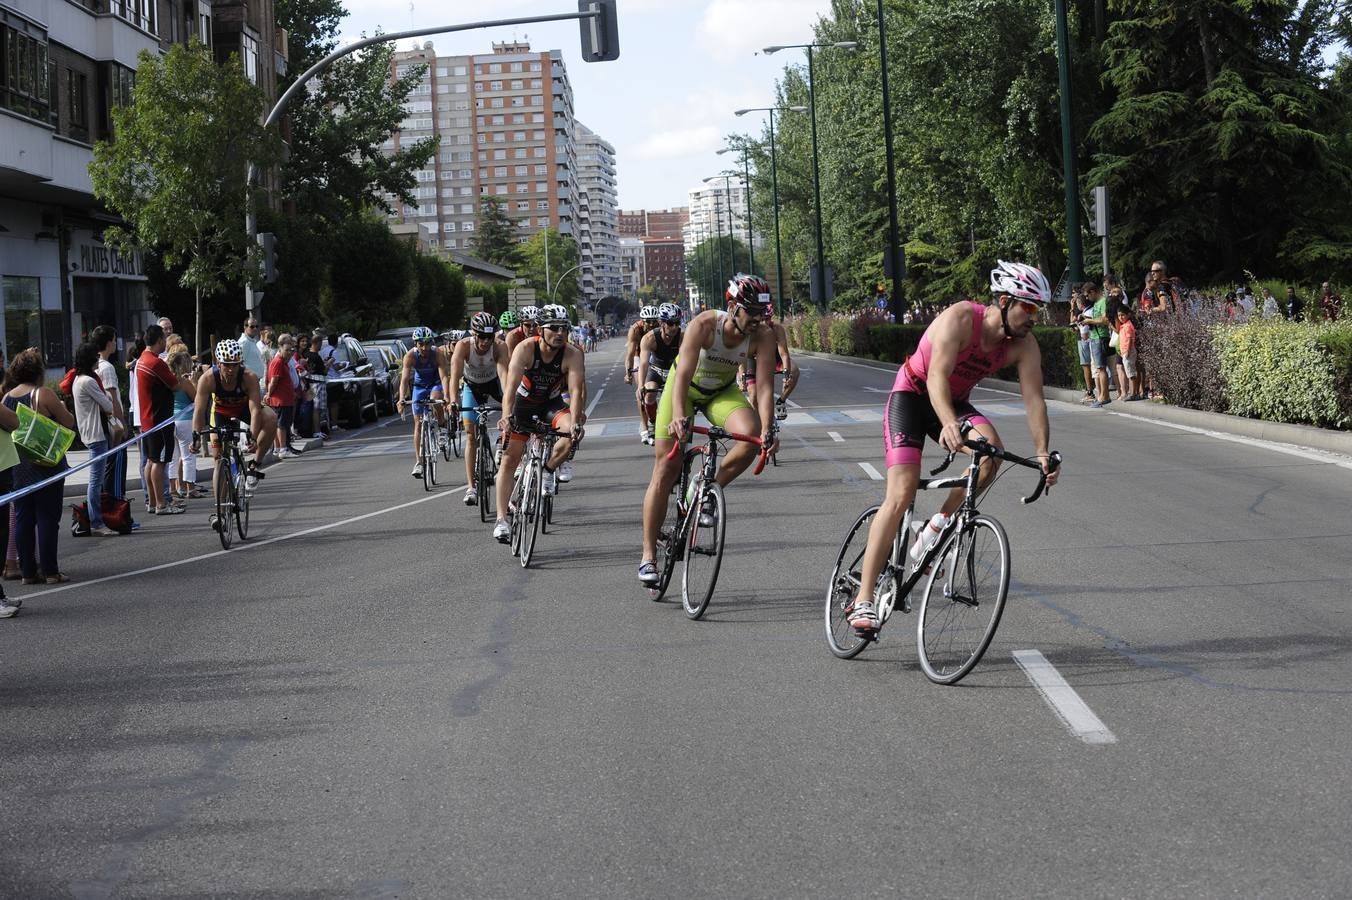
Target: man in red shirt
[
  {"x": 155, "y": 386},
  {"x": 281, "y": 394}
]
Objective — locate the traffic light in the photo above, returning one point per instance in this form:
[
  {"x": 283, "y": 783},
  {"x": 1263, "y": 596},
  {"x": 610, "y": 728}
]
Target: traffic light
[
  {"x": 600, "y": 33},
  {"x": 267, "y": 242},
  {"x": 1098, "y": 210}
]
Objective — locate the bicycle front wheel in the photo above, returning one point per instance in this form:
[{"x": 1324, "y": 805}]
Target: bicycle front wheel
[
  {"x": 225, "y": 502},
  {"x": 963, "y": 600},
  {"x": 454, "y": 441},
  {"x": 241, "y": 504},
  {"x": 483, "y": 465},
  {"x": 530, "y": 511},
  {"x": 843, "y": 587},
  {"x": 703, "y": 549}
]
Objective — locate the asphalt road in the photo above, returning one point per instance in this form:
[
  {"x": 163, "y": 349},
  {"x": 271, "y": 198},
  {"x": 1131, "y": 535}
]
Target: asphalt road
[{"x": 371, "y": 699}]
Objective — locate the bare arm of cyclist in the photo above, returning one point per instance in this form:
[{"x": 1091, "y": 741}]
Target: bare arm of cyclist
[
  {"x": 765, "y": 380},
  {"x": 1027, "y": 356},
  {"x": 500, "y": 360},
  {"x": 782, "y": 342},
  {"x": 577, "y": 384},
  {"x": 515, "y": 370},
  {"x": 458, "y": 356},
  {"x": 444, "y": 369},
  {"x": 948, "y": 335},
  {"x": 405, "y": 376},
  {"x": 205, "y": 385},
  {"x": 645, "y": 347}
]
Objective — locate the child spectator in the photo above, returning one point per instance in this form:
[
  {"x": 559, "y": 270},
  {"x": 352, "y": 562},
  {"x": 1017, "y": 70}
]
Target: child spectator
[{"x": 1126, "y": 347}]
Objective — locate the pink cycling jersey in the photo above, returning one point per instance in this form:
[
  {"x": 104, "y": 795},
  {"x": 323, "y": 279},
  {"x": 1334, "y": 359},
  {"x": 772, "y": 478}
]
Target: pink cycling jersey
[{"x": 972, "y": 364}]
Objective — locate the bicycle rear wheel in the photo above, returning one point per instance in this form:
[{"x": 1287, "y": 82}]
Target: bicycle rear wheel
[
  {"x": 964, "y": 598},
  {"x": 453, "y": 440},
  {"x": 225, "y": 501},
  {"x": 530, "y": 511},
  {"x": 429, "y": 454},
  {"x": 703, "y": 550},
  {"x": 670, "y": 540},
  {"x": 843, "y": 587}
]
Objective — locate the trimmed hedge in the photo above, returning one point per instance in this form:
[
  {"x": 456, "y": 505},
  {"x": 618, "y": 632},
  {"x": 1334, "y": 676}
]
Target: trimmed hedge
[
  {"x": 893, "y": 343},
  {"x": 1287, "y": 372}
]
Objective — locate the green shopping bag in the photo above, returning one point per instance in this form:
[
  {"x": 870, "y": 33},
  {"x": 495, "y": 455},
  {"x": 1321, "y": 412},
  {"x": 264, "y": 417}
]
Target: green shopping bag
[{"x": 42, "y": 439}]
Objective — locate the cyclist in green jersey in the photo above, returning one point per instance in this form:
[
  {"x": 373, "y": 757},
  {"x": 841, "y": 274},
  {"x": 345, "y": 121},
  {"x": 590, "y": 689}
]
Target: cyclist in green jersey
[{"x": 705, "y": 378}]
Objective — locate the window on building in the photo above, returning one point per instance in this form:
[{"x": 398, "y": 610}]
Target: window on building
[
  {"x": 499, "y": 137},
  {"x": 483, "y": 173},
  {"x": 500, "y": 189},
  {"x": 538, "y": 152},
  {"x": 518, "y": 101},
  {"x": 537, "y": 100},
  {"x": 466, "y": 208},
  {"x": 483, "y": 137},
  {"x": 523, "y": 206},
  {"x": 544, "y": 221},
  {"x": 204, "y": 28},
  {"x": 498, "y": 120},
  {"x": 499, "y": 171},
  {"x": 433, "y": 242},
  {"x": 518, "y": 171},
  {"x": 541, "y": 169},
  {"x": 542, "y": 204},
  {"x": 465, "y": 192},
  {"x": 535, "y": 67},
  {"x": 464, "y": 174},
  {"x": 537, "y": 135},
  {"x": 537, "y": 118},
  {"x": 466, "y": 226},
  {"x": 516, "y": 85},
  {"x": 523, "y": 187},
  {"x": 248, "y": 53},
  {"x": 450, "y": 226},
  {"x": 23, "y": 314},
  {"x": 495, "y": 68},
  {"x": 541, "y": 187},
  {"x": 519, "y": 153},
  {"x": 442, "y": 71},
  {"x": 462, "y": 87},
  {"x": 451, "y": 243},
  {"x": 496, "y": 103},
  {"x": 24, "y": 84},
  {"x": 460, "y": 70},
  {"x": 499, "y": 154},
  {"x": 495, "y": 85},
  {"x": 518, "y": 119},
  {"x": 443, "y": 88},
  {"x": 516, "y": 67},
  {"x": 483, "y": 156}
]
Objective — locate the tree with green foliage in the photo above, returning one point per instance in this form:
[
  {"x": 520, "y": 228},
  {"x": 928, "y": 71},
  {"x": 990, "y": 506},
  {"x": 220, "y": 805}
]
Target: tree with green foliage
[
  {"x": 439, "y": 300},
  {"x": 176, "y": 171},
  {"x": 371, "y": 276},
  {"x": 495, "y": 240},
  {"x": 707, "y": 268},
  {"x": 563, "y": 257}
]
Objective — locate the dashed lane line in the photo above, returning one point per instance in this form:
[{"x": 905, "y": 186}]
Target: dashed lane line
[
  {"x": 872, "y": 472},
  {"x": 835, "y": 436},
  {"x": 1061, "y": 697}
]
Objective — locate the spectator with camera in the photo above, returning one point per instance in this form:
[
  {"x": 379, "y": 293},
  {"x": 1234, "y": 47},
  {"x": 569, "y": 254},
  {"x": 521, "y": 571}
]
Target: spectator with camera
[
  {"x": 1082, "y": 343},
  {"x": 1096, "y": 317}
]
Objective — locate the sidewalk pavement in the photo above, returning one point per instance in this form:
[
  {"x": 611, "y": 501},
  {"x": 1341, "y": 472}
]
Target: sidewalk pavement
[{"x": 1327, "y": 439}]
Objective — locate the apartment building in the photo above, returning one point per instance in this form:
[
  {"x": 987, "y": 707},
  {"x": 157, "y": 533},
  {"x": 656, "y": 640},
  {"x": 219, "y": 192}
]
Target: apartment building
[
  {"x": 664, "y": 266},
  {"x": 64, "y": 67},
  {"x": 598, "y": 243},
  {"x": 661, "y": 223},
  {"x": 715, "y": 207},
  {"x": 632, "y": 274},
  {"x": 506, "y": 125}
]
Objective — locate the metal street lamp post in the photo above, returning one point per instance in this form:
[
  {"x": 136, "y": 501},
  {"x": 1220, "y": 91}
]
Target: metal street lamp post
[
  {"x": 746, "y": 188},
  {"x": 774, "y": 189},
  {"x": 820, "y": 280}
]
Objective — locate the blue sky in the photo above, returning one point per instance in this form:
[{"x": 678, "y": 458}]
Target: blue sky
[{"x": 667, "y": 102}]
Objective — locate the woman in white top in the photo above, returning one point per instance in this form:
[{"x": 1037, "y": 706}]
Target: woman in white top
[{"x": 92, "y": 404}]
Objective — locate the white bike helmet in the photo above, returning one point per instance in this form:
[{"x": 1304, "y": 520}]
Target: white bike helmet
[
  {"x": 229, "y": 351},
  {"x": 1023, "y": 282},
  {"x": 553, "y": 314},
  {"x": 648, "y": 313},
  {"x": 530, "y": 314},
  {"x": 669, "y": 312},
  {"x": 422, "y": 333}
]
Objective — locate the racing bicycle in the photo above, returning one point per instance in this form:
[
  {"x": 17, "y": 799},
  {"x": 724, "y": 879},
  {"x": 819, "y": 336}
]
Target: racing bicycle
[
  {"x": 532, "y": 510},
  {"x": 966, "y": 573},
  {"x": 232, "y": 497},
  {"x": 485, "y": 460},
  {"x": 431, "y": 442},
  {"x": 697, "y": 521}
]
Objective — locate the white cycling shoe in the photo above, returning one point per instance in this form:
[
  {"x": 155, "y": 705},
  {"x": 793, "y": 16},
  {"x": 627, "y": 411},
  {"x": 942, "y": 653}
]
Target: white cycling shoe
[{"x": 565, "y": 473}]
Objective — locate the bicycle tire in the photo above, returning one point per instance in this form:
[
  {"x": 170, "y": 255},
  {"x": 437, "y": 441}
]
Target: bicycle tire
[
  {"x": 482, "y": 461},
  {"x": 546, "y": 514},
  {"x": 703, "y": 543},
  {"x": 671, "y": 534},
  {"x": 517, "y": 517},
  {"x": 428, "y": 454},
  {"x": 530, "y": 511},
  {"x": 224, "y": 485},
  {"x": 962, "y": 604},
  {"x": 242, "y": 499},
  {"x": 843, "y": 640},
  {"x": 453, "y": 441}
]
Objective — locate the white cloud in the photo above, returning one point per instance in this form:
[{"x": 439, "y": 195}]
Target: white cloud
[
  {"x": 678, "y": 143},
  {"x": 744, "y": 26}
]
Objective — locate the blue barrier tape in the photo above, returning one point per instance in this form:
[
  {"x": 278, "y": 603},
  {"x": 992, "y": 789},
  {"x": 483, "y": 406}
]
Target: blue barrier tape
[{"x": 66, "y": 473}]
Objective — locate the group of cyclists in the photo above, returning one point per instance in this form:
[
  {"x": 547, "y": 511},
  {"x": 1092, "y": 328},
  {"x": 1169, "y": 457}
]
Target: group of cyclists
[{"x": 723, "y": 363}]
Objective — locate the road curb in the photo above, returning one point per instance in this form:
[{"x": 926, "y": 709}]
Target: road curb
[{"x": 1276, "y": 432}]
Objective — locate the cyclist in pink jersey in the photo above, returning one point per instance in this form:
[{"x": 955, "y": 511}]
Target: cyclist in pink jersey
[{"x": 966, "y": 343}]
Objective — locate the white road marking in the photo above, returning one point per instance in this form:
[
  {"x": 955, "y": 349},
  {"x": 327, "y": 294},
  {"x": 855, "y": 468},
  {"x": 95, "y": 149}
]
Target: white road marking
[
  {"x": 1063, "y": 700},
  {"x": 591, "y": 406},
  {"x": 874, "y": 390},
  {"x": 835, "y": 436},
  {"x": 872, "y": 472},
  {"x": 791, "y": 405},
  {"x": 240, "y": 548}
]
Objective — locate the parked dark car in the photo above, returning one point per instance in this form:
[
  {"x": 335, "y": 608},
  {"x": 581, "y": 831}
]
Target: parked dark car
[
  {"x": 352, "y": 390},
  {"x": 386, "y": 370}
]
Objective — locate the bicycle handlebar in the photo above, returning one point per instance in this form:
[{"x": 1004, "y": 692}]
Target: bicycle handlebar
[
  {"x": 717, "y": 433},
  {"x": 981, "y": 447}
]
